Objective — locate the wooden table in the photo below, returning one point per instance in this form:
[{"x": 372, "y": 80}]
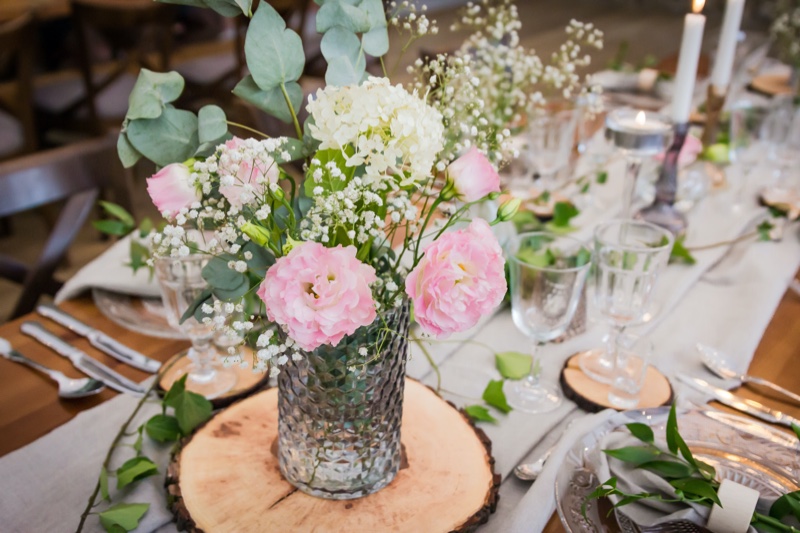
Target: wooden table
[{"x": 31, "y": 407}]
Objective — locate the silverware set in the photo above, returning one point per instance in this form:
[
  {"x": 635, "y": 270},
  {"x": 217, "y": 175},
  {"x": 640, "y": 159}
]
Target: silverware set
[{"x": 100, "y": 375}]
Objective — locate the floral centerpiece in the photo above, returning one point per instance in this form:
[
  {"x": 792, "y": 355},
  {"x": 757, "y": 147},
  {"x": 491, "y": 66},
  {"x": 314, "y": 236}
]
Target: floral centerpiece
[{"x": 338, "y": 258}]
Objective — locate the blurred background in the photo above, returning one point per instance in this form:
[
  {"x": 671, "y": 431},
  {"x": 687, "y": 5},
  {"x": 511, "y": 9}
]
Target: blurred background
[{"x": 68, "y": 66}]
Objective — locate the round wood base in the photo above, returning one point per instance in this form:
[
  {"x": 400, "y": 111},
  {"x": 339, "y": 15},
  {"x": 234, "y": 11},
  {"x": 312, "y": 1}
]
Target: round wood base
[
  {"x": 247, "y": 381},
  {"x": 593, "y": 396},
  {"x": 226, "y": 478},
  {"x": 772, "y": 84}
]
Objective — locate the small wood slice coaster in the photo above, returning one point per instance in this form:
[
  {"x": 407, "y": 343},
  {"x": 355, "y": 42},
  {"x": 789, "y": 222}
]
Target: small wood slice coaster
[
  {"x": 247, "y": 381},
  {"x": 226, "y": 478},
  {"x": 772, "y": 84},
  {"x": 593, "y": 396}
]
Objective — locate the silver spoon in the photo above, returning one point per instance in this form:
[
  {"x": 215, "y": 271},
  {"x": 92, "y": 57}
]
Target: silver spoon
[
  {"x": 67, "y": 387},
  {"x": 719, "y": 365},
  {"x": 531, "y": 471}
]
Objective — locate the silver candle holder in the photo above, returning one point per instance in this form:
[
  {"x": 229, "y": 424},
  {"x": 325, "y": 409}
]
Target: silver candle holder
[{"x": 638, "y": 135}]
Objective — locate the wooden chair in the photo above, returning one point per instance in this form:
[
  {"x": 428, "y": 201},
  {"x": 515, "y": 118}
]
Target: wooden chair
[
  {"x": 134, "y": 32},
  {"x": 74, "y": 174},
  {"x": 17, "y": 126}
]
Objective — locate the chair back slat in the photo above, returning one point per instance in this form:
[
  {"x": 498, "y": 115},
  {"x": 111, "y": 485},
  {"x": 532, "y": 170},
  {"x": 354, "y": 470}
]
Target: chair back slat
[{"x": 16, "y": 50}]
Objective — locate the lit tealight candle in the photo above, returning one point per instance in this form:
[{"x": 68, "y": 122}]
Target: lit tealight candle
[
  {"x": 686, "y": 73},
  {"x": 638, "y": 131}
]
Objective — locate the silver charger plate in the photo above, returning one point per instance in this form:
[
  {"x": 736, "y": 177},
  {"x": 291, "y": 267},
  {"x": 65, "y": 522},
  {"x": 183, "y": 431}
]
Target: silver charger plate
[
  {"x": 740, "y": 449},
  {"x": 139, "y": 314}
]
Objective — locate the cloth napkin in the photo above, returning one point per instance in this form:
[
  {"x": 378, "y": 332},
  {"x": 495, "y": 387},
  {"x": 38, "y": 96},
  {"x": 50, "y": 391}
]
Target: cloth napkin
[
  {"x": 539, "y": 504},
  {"x": 632, "y": 480},
  {"x": 109, "y": 271}
]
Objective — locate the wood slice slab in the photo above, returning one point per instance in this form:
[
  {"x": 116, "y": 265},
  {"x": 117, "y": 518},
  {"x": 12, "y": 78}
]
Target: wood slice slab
[
  {"x": 592, "y": 396},
  {"x": 772, "y": 84},
  {"x": 247, "y": 381},
  {"x": 226, "y": 477}
]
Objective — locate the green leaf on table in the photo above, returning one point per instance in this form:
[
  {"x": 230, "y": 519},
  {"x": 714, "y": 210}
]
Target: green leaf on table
[
  {"x": 191, "y": 410},
  {"x": 479, "y": 413},
  {"x": 137, "y": 444},
  {"x": 494, "y": 396},
  {"x": 128, "y": 155},
  {"x": 643, "y": 432},
  {"x": 764, "y": 229},
  {"x": 668, "y": 469},
  {"x": 211, "y": 123},
  {"x": 135, "y": 469},
  {"x": 152, "y": 92},
  {"x": 698, "y": 487},
  {"x": 170, "y": 138},
  {"x": 672, "y": 430},
  {"x": 602, "y": 177},
  {"x": 513, "y": 365},
  {"x": 163, "y": 428},
  {"x": 563, "y": 212},
  {"x": 112, "y": 227},
  {"x": 104, "y": 484},
  {"x": 680, "y": 254},
  {"x": 177, "y": 389},
  {"x": 635, "y": 455},
  {"x": 274, "y": 53},
  {"x": 270, "y": 101},
  {"x": 786, "y": 505},
  {"x": 124, "y": 515},
  {"x": 796, "y": 430}
]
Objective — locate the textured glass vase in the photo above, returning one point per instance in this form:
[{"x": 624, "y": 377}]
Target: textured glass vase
[{"x": 340, "y": 412}]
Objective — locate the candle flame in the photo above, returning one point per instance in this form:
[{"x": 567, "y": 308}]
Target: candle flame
[
  {"x": 640, "y": 117},
  {"x": 697, "y": 5}
]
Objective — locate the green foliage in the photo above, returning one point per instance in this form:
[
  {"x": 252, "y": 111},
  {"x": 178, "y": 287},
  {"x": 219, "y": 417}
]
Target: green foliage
[
  {"x": 167, "y": 139},
  {"x": 346, "y": 60},
  {"x": 211, "y": 124},
  {"x": 271, "y": 100},
  {"x": 513, "y": 365},
  {"x": 563, "y": 212},
  {"x": 152, "y": 92},
  {"x": 274, "y": 53},
  {"x": 668, "y": 469},
  {"x": 135, "y": 469},
  {"x": 104, "y": 484},
  {"x": 226, "y": 283},
  {"x": 123, "y": 515},
  {"x": 764, "y": 230},
  {"x": 635, "y": 455},
  {"x": 226, "y": 8},
  {"x": 479, "y": 413},
  {"x": 494, "y": 396},
  {"x": 681, "y": 254},
  {"x": 163, "y": 428},
  {"x": 191, "y": 409},
  {"x": 643, "y": 432}
]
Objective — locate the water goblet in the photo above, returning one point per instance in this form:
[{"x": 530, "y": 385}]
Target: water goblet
[
  {"x": 551, "y": 138},
  {"x": 745, "y": 133},
  {"x": 633, "y": 357},
  {"x": 547, "y": 273},
  {"x": 181, "y": 282},
  {"x": 629, "y": 257}
]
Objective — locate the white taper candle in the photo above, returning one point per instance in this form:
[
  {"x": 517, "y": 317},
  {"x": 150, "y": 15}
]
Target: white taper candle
[
  {"x": 726, "y": 50},
  {"x": 686, "y": 74}
]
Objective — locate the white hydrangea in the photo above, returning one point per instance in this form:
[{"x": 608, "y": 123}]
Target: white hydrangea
[{"x": 391, "y": 130}]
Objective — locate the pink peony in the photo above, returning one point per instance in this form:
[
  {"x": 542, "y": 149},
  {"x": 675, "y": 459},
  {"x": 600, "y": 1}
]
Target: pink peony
[
  {"x": 255, "y": 173},
  {"x": 170, "y": 188},
  {"x": 319, "y": 294},
  {"x": 460, "y": 278},
  {"x": 473, "y": 176}
]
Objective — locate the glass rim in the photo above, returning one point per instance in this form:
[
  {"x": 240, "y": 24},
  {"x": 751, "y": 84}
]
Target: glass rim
[
  {"x": 521, "y": 236},
  {"x": 633, "y": 247}
]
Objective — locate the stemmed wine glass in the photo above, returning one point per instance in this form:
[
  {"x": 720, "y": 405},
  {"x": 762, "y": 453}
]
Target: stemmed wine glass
[
  {"x": 746, "y": 130},
  {"x": 181, "y": 282},
  {"x": 629, "y": 257},
  {"x": 547, "y": 272},
  {"x": 551, "y": 137}
]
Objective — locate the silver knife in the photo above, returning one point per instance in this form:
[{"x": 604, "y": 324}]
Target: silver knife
[
  {"x": 81, "y": 361},
  {"x": 100, "y": 340},
  {"x": 745, "y": 405}
]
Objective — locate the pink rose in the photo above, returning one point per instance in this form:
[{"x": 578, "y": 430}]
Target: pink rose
[
  {"x": 473, "y": 176},
  {"x": 319, "y": 294},
  {"x": 460, "y": 278},
  {"x": 251, "y": 176},
  {"x": 171, "y": 190}
]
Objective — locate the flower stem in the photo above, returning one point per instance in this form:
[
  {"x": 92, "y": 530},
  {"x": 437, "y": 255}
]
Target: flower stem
[
  {"x": 297, "y": 127},
  {"x": 247, "y": 128},
  {"x": 430, "y": 360}
]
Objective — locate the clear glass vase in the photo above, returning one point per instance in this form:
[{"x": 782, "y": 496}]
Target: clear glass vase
[{"x": 340, "y": 411}]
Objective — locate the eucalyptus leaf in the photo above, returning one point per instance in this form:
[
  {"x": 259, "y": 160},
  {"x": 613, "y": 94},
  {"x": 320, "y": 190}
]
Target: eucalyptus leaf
[
  {"x": 220, "y": 276},
  {"x": 479, "y": 413},
  {"x": 513, "y": 365},
  {"x": 226, "y": 8},
  {"x": 104, "y": 484},
  {"x": 170, "y": 138},
  {"x": 262, "y": 258},
  {"x": 124, "y": 515},
  {"x": 270, "y": 101},
  {"x": 635, "y": 455},
  {"x": 643, "y": 432},
  {"x": 163, "y": 428},
  {"x": 234, "y": 294},
  {"x": 211, "y": 123},
  {"x": 376, "y": 14},
  {"x": 128, "y": 155},
  {"x": 494, "y": 396},
  {"x": 376, "y": 41},
  {"x": 341, "y": 72},
  {"x": 274, "y": 53},
  {"x": 135, "y": 469},
  {"x": 151, "y": 92},
  {"x": 338, "y": 13},
  {"x": 340, "y": 41},
  {"x": 195, "y": 308}
]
